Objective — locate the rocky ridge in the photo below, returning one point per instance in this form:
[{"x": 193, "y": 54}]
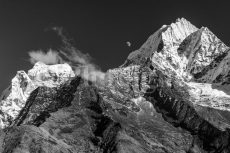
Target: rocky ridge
[{"x": 170, "y": 96}]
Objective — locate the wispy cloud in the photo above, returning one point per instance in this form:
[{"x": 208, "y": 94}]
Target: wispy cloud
[
  {"x": 69, "y": 51},
  {"x": 50, "y": 57},
  {"x": 80, "y": 62}
]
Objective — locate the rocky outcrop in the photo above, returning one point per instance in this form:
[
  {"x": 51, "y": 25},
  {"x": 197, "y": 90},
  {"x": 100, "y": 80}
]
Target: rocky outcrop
[{"x": 180, "y": 114}]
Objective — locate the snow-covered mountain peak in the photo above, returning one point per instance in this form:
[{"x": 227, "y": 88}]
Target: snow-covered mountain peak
[
  {"x": 14, "y": 97},
  {"x": 178, "y": 31},
  {"x": 196, "y": 58},
  {"x": 168, "y": 37},
  {"x": 50, "y": 75},
  {"x": 180, "y": 47}
]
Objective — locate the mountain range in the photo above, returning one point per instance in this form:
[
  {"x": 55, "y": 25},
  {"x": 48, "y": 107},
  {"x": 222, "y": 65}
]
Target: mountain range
[{"x": 169, "y": 96}]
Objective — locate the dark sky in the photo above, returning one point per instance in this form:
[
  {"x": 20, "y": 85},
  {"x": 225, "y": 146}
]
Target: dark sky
[{"x": 98, "y": 28}]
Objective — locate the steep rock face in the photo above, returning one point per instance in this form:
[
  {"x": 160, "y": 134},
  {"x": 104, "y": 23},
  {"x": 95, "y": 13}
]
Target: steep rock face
[
  {"x": 195, "y": 56},
  {"x": 202, "y": 48},
  {"x": 62, "y": 120},
  {"x": 185, "y": 66},
  {"x": 13, "y": 98},
  {"x": 207, "y": 134},
  {"x": 78, "y": 119}
]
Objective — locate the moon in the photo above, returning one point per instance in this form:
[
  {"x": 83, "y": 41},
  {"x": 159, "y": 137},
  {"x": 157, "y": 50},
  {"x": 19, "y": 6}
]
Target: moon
[{"x": 128, "y": 43}]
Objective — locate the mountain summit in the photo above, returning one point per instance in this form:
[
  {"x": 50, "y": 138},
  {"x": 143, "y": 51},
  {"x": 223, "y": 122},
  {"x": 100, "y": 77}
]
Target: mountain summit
[
  {"x": 13, "y": 99},
  {"x": 169, "y": 96}
]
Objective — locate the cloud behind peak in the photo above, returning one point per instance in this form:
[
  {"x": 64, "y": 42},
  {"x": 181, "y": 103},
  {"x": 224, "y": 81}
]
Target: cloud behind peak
[
  {"x": 50, "y": 57},
  {"x": 80, "y": 62}
]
